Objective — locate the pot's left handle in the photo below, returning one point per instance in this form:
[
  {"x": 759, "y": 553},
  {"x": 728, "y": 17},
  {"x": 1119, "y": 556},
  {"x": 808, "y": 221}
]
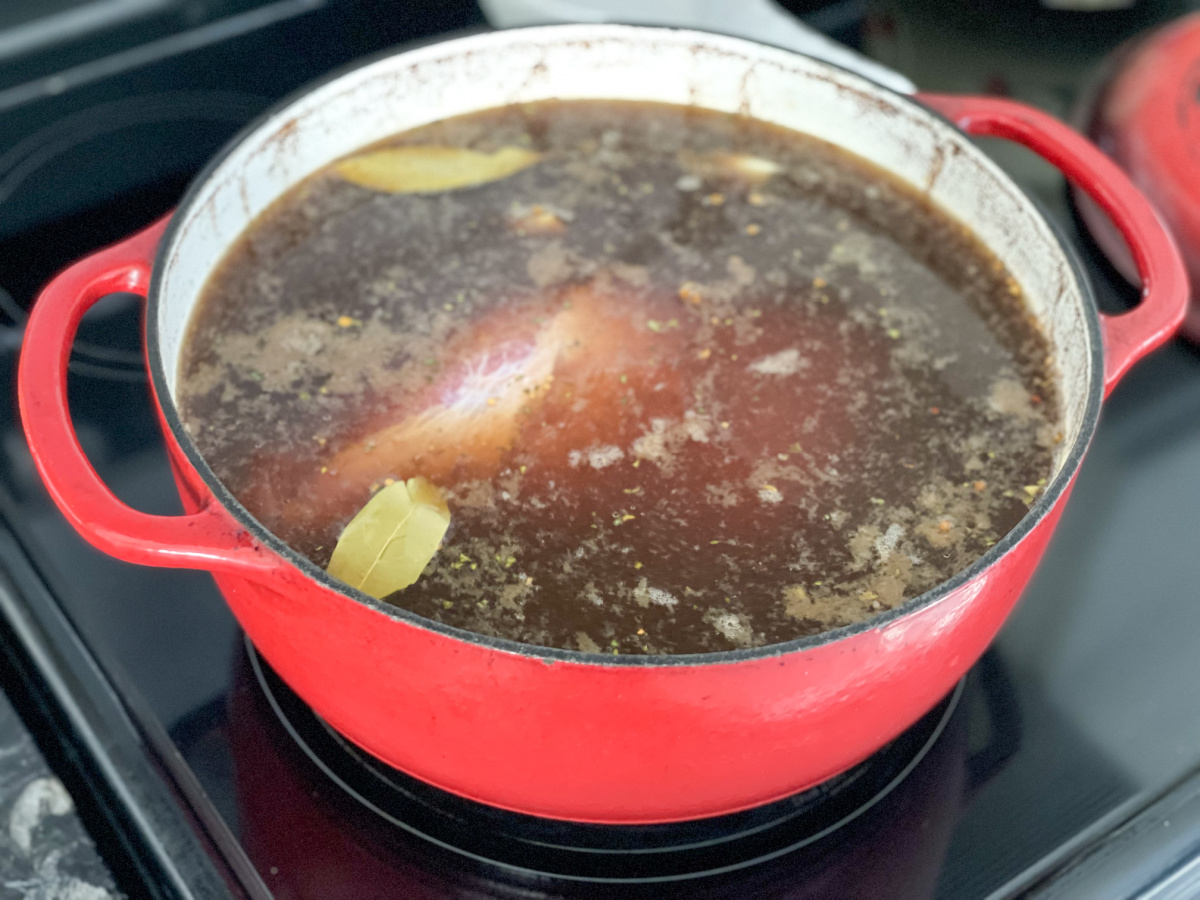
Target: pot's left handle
[{"x": 209, "y": 539}]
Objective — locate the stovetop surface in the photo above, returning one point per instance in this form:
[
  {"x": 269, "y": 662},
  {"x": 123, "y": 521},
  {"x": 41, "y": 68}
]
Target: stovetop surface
[{"x": 1083, "y": 711}]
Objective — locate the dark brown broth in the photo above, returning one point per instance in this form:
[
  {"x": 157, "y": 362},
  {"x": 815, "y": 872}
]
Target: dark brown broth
[{"x": 783, "y": 407}]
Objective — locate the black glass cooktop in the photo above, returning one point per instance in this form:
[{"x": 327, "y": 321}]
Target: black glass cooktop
[{"x": 1065, "y": 756}]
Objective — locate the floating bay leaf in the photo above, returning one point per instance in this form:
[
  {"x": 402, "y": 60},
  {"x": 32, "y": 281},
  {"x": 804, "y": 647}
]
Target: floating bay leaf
[
  {"x": 429, "y": 169},
  {"x": 388, "y": 544}
]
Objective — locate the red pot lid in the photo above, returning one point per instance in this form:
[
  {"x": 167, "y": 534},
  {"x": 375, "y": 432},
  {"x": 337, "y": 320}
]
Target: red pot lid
[{"x": 1146, "y": 116}]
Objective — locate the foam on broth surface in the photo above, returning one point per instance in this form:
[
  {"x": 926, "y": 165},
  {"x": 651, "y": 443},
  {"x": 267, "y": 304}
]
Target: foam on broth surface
[{"x": 689, "y": 382}]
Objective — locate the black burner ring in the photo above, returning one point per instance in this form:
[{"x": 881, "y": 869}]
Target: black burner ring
[{"x": 622, "y": 854}]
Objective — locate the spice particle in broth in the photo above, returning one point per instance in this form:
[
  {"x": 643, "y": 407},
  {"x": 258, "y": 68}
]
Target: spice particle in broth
[{"x": 687, "y": 382}]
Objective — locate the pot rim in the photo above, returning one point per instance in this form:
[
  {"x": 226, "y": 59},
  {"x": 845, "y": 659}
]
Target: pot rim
[{"x": 1051, "y": 496}]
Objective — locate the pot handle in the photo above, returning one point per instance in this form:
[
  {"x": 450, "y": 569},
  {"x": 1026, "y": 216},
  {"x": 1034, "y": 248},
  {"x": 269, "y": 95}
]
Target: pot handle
[
  {"x": 1131, "y": 335},
  {"x": 209, "y": 539}
]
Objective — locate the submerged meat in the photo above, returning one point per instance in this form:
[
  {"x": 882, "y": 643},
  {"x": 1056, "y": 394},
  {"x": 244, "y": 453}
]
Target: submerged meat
[{"x": 496, "y": 376}]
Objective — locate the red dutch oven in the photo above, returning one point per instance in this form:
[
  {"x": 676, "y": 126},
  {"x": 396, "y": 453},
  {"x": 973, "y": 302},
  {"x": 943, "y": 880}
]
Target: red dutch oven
[{"x": 559, "y": 733}]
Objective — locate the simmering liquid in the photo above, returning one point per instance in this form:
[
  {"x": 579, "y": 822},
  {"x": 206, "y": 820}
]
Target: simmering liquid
[{"x": 689, "y": 382}]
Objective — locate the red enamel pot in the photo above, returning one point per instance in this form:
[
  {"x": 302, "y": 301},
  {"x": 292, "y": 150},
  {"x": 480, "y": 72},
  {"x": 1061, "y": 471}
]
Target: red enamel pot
[{"x": 558, "y": 733}]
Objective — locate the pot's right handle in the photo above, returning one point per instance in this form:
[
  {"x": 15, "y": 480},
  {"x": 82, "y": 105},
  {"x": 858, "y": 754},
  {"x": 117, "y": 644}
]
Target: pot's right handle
[
  {"x": 209, "y": 539},
  {"x": 1129, "y": 336}
]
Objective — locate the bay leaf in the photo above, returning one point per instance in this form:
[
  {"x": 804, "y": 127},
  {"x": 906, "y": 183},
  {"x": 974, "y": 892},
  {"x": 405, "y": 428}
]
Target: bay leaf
[
  {"x": 386, "y": 547},
  {"x": 430, "y": 169}
]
